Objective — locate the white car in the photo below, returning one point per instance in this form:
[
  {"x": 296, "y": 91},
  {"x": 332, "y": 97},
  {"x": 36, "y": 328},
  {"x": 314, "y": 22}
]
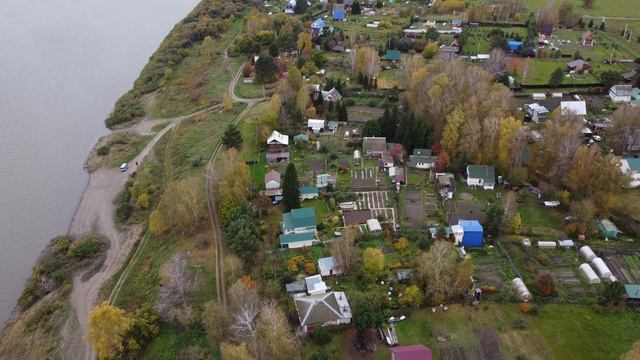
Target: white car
[
  {"x": 124, "y": 167},
  {"x": 597, "y": 137}
]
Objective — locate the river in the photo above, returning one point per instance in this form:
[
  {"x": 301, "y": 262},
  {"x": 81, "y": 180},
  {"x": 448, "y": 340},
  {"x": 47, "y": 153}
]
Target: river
[{"x": 63, "y": 63}]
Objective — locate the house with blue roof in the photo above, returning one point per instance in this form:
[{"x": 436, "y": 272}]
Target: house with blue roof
[
  {"x": 514, "y": 46},
  {"x": 473, "y": 233},
  {"x": 339, "y": 15},
  {"x": 308, "y": 193},
  {"x": 299, "y": 221},
  {"x": 316, "y": 27}
]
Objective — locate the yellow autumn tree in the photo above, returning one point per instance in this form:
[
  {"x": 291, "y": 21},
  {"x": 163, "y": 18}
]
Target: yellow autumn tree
[
  {"x": 302, "y": 100},
  {"x": 508, "y": 127},
  {"x": 304, "y": 43},
  {"x": 227, "y": 102},
  {"x": 107, "y": 326},
  {"x": 451, "y": 133},
  {"x": 373, "y": 261}
]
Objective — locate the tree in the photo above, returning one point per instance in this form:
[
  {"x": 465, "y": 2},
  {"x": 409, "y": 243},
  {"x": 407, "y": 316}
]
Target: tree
[
  {"x": 602, "y": 26},
  {"x": 294, "y": 78},
  {"x": 208, "y": 48},
  {"x": 232, "y": 137},
  {"x": 436, "y": 271},
  {"x": 302, "y": 100},
  {"x": 265, "y": 69},
  {"x": 274, "y": 334},
  {"x": 547, "y": 14},
  {"x": 179, "y": 207},
  {"x": 304, "y": 43},
  {"x": 495, "y": 217},
  {"x": 590, "y": 21},
  {"x": 515, "y": 223},
  {"x": 227, "y": 102},
  {"x": 365, "y": 317},
  {"x": 107, "y": 326},
  {"x": 343, "y": 114},
  {"x": 443, "y": 161},
  {"x": 510, "y": 143},
  {"x": 216, "y": 320},
  {"x": 556, "y": 77},
  {"x": 497, "y": 63},
  {"x": 412, "y": 297},
  {"x": 290, "y": 189},
  {"x": 373, "y": 261},
  {"x": 343, "y": 250},
  {"x": 613, "y": 294},
  {"x": 144, "y": 328},
  {"x": 626, "y": 120},
  {"x": 430, "y": 50},
  {"x": 301, "y": 6},
  {"x": 367, "y": 62},
  {"x": 177, "y": 285},
  {"x": 273, "y": 50},
  {"x": 235, "y": 352},
  {"x": 588, "y": 4},
  {"x": 451, "y": 132},
  {"x": 545, "y": 284},
  {"x": 355, "y": 8},
  {"x": 565, "y": 14},
  {"x": 241, "y": 232},
  {"x": 610, "y": 78}
]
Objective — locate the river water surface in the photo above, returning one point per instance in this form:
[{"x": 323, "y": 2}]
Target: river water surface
[{"x": 63, "y": 63}]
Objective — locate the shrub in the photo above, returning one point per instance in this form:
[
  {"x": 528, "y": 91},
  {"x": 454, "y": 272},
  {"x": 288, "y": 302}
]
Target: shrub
[
  {"x": 88, "y": 249},
  {"x": 320, "y": 336},
  {"x": 528, "y": 308},
  {"x": 103, "y": 150},
  {"x": 545, "y": 284}
]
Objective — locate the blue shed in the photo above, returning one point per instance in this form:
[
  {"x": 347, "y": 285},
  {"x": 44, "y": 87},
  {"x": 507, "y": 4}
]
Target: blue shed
[
  {"x": 473, "y": 233},
  {"x": 339, "y": 15},
  {"x": 514, "y": 45}
]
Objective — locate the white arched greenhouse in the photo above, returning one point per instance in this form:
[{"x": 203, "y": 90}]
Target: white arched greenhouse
[
  {"x": 587, "y": 254},
  {"x": 521, "y": 289},
  {"x": 601, "y": 268},
  {"x": 587, "y": 271}
]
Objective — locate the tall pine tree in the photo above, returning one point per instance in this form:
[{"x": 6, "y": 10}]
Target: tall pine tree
[
  {"x": 232, "y": 137},
  {"x": 290, "y": 189}
]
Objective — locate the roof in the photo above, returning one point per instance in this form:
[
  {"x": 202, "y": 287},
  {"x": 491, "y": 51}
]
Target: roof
[
  {"x": 294, "y": 238},
  {"x": 411, "y": 352},
  {"x": 573, "y": 108},
  {"x": 392, "y": 55},
  {"x": 375, "y": 144},
  {"x": 315, "y": 284},
  {"x": 622, "y": 90},
  {"x": 278, "y": 138},
  {"x": 579, "y": 63},
  {"x": 356, "y": 217},
  {"x": 301, "y": 137},
  {"x": 326, "y": 264},
  {"x": 609, "y": 226},
  {"x": 272, "y": 176},
  {"x": 422, "y": 152},
  {"x": 634, "y": 164},
  {"x": 331, "y": 95},
  {"x": 374, "y": 225},
  {"x": 587, "y": 35},
  {"x": 546, "y": 28},
  {"x": 538, "y": 108},
  {"x": 338, "y": 14},
  {"x": 316, "y": 123},
  {"x": 470, "y": 225},
  {"x": 322, "y": 308},
  {"x": 415, "y": 159},
  {"x": 296, "y": 286},
  {"x": 514, "y": 44},
  {"x": 306, "y": 190},
  {"x": 332, "y": 125},
  {"x": 303, "y": 217},
  {"x": 633, "y": 291},
  {"x": 318, "y": 24},
  {"x": 485, "y": 172}
]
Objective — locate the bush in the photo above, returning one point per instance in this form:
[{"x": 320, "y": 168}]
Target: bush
[
  {"x": 103, "y": 150},
  {"x": 528, "y": 308},
  {"x": 88, "y": 249},
  {"x": 320, "y": 336}
]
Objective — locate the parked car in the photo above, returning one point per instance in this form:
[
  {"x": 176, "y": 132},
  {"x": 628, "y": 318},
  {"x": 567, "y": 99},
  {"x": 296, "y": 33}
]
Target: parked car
[{"x": 124, "y": 167}]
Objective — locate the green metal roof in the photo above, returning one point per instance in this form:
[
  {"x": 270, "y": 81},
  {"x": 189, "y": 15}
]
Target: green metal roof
[
  {"x": 634, "y": 163},
  {"x": 392, "y": 55},
  {"x": 297, "y": 218},
  {"x": 486, "y": 172},
  {"x": 294, "y": 238},
  {"x": 306, "y": 190},
  {"x": 633, "y": 291},
  {"x": 608, "y": 226}
]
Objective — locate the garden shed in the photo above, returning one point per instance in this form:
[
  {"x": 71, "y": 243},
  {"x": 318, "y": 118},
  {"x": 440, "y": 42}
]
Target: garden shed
[
  {"x": 473, "y": 232},
  {"x": 547, "y": 245},
  {"x": 601, "y": 268},
  {"x": 587, "y": 271},
  {"x": 608, "y": 229},
  {"x": 587, "y": 254}
]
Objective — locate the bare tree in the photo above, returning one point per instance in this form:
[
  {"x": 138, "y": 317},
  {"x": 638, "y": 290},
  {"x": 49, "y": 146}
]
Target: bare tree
[
  {"x": 548, "y": 14},
  {"x": 408, "y": 67},
  {"x": 561, "y": 140},
  {"x": 344, "y": 250},
  {"x": 275, "y": 338},
  {"x": 351, "y": 59},
  {"x": 176, "y": 286},
  {"x": 624, "y": 135},
  {"x": 436, "y": 271},
  {"x": 244, "y": 325},
  {"x": 497, "y": 63}
]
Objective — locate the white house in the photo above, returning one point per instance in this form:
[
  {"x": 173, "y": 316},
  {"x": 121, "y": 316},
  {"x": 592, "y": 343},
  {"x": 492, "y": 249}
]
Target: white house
[
  {"x": 272, "y": 180},
  {"x": 537, "y": 112},
  {"x": 316, "y": 125},
  {"x": 326, "y": 309},
  {"x": 620, "y": 93},
  {"x": 315, "y": 285},
  {"x": 481, "y": 176},
  {"x": 328, "y": 266},
  {"x": 573, "y": 108},
  {"x": 374, "y": 226},
  {"x": 631, "y": 168}
]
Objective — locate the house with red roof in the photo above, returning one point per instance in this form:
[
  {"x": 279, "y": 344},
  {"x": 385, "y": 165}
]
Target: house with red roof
[{"x": 411, "y": 352}]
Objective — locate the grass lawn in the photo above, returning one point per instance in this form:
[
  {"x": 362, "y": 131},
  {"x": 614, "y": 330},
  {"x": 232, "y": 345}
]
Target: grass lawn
[
  {"x": 537, "y": 217},
  {"x": 615, "y": 8},
  {"x": 322, "y": 209},
  {"x": 481, "y": 195},
  {"x": 249, "y": 91},
  {"x": 541, "y": 70},
  {"x": 170, "y": 343},
  {"x": 123, "y": 147},
  {"x": 558, "y": 331}
]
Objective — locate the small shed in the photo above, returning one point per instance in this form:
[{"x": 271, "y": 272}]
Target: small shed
[
  {"x": 272, "y": 180},
  {"x": 565, "y": 244},
  {"x": 587, "y": 254},
  {"x": 301, "y": 139},
  {"x": 308, "y": 192},
  {"x": 522, "y": 290},
  {"x": 608, "y": 229},
  {"x": 328, "y": 266},
  {"x": 374, "y": 226},
  {"x": 601, "y": 268},
  {"x": 473, "y": 233},
  {"x": 356, "y": 155},
  {"x": 547, "y": 245},
  {"x": 296, "y": 287},
  {"x": 391, "y": 55},
  {"x": 632, "y": 291},
  {"x": 587, "y": 271},
  {"x": 514, "y": 46}
]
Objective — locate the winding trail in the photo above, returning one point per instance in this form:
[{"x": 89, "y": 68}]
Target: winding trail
[{"x": 95, "y": 214}]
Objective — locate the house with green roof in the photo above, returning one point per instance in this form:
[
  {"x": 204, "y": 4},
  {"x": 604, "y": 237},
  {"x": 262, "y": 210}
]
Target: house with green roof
[
  {"x": 631, "y": 168},
  {"x": 296, "y": 241},
  {"x": 481, "y": 176},
  {"x": 608, "y": 229},
  {"x": 299, "y": 221},
  {"x": 392, "y": 55},
  {"x": 308, "y": 193}
]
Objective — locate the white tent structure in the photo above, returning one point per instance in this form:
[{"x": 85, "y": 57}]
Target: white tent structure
[
  {"x": 521, "y": 289},
  {"x": 547, "y": 244},
  {"x": 601, "y": 268},
  {"x": 587, "y": 254},
  {"x": 587, "y": 271}
]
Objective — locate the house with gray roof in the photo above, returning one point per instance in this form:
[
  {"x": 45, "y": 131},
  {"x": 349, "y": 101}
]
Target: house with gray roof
[
  {"x": 297, "y": 241},
  {"x": 481, "y": 176},
  {"x": 326, "y": 309},
  {"x": 620, "y": 94},
  {"x": 374, "y": 146},
  {"x": 422, "y": 159}
]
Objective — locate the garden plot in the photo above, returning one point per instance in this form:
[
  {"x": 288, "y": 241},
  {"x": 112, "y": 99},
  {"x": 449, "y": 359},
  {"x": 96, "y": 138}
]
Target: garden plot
[
  {"x": 363, "y": 178},
  {"x": 414, "y": 209},
  {"x": 378, "y": 202},
  {"x": 489, "y": 343},
  {"x": 626, "y": 268},
  {"x": 453, "y": 353},
  {"x": 465, "y": 209}
]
